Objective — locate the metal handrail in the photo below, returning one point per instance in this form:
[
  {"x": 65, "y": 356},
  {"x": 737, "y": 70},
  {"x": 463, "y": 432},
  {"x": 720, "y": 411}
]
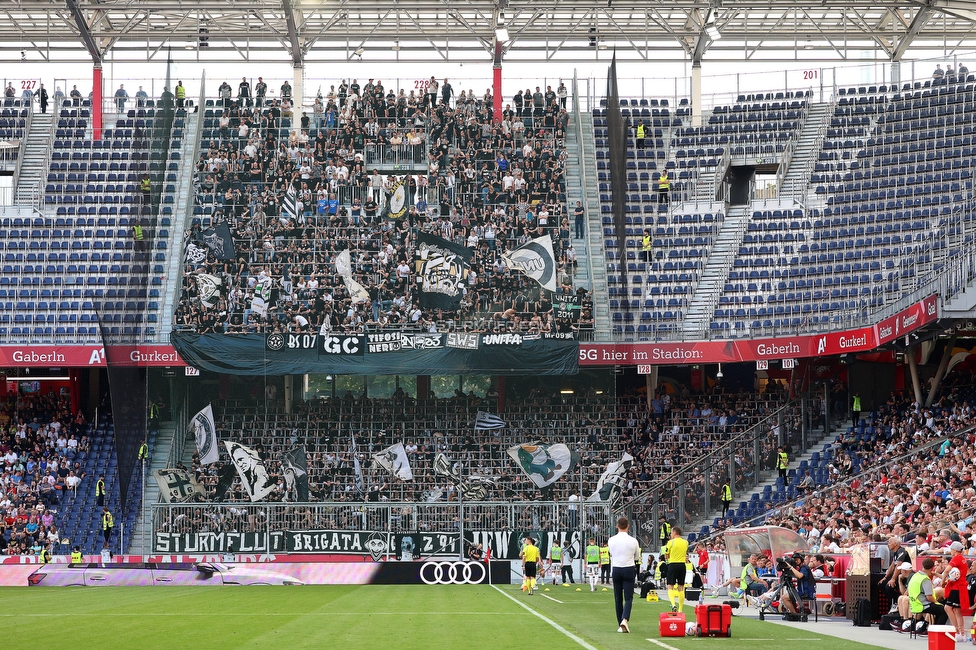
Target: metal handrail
[{"x": 582, "y": 172}]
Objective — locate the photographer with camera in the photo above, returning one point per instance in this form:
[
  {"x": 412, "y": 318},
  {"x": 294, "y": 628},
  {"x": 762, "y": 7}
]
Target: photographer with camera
[{"x": 796, "y": 583}]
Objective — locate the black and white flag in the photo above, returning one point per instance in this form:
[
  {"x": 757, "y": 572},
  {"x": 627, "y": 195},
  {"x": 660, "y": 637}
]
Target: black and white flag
[
  {"x": 195, "y": 254},
  {"x": 219, "y": 241},
  {"x": 294, "y": 467},
  {"x": 262, "y": 296},
  {"x": 251, "y": 470},
  {"x": 205, "y": 435},
  {"x": 475, "y": 488},
  {"x": 394, "y": 460},
  {"x": 356, "y": 291},
  {"x": 613, "y": 480},
  {"x": 289, "y": 203},
  {"x": 536, "y": 260},
  {"x": 177, "y": 485},
  {"x": 208, "y": 289},
  {"x": 442, "y": 271},
  {"x": 488, "y": 421},
  {"x": 357, "y": 468}
]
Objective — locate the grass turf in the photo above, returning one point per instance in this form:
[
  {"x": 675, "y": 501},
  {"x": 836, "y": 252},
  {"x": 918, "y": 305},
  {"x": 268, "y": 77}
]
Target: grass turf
[{"x": 387, "y": 617}]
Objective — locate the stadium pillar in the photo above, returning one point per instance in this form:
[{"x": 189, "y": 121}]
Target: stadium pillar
[
  {"x": 297, "y": 89},
  {"x": 289, "y": 391},
  {"x": 97, "y": 102},
  {"x": 940, "y": 373},
  {"x": 913, "y": 368},
  {"x": 696, "y": 94},
  {"x": 500, "y": 389},
  {"x": 895, "y": 73},
  {"x": 496, "y": 84}
]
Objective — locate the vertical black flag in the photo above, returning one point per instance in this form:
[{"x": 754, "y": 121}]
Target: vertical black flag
[{"x": 617, "y": 134}]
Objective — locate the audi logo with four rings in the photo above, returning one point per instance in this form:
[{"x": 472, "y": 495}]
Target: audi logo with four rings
[{"x": 453, "y": 573}]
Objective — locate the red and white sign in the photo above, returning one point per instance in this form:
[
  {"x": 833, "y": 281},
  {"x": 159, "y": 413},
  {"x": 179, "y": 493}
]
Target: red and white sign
[
  {"x": 789, "y": 364},
  {"x": 918, "y": 314},
  {"x": 643, "y": 369},
  {"x": 762, "y": 365},
  {"x": 190, "y": 371},
  {"x": 81, "y": 356},
  {"x": 857, "y": 340}
]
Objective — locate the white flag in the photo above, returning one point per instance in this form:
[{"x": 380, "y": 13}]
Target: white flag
[
  {"x": 343, "y": 264},
  {"x": 205, "y": 434},
  {"x": 394, "y": 460},
  {"x": 177, "y": 485},
  {"x": 544, "y": 464},
  {"x": 356, "y": 291},
  {"x": 485, "y": 421},
  {"x": 613, "y": 480},
  {"x": 253, "y": 474},
  {"x": 208, "y": 289},
  {"x": 536, "y": 260}
]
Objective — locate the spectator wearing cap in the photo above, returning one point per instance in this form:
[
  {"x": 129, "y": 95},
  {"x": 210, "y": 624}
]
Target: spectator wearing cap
[{"x": 956, "y": 590}]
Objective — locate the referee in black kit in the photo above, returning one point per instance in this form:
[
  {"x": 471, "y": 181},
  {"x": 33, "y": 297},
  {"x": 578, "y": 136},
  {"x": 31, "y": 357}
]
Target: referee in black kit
[{"x": 624, "y": 560}]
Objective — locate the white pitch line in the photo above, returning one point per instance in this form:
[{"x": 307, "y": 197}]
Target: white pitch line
[
  {"x": 549, "y": 620},
  {"x": 663, "y": 645},
  {"x": 553, "y": 599}
]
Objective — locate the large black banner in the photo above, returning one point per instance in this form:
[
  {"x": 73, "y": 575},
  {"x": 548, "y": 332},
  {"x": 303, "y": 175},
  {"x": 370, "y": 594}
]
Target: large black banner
[
  {"x": 407, "y": 546},
  {"x": 442, "y": 271},
  {"x": 368, "y": 354}
]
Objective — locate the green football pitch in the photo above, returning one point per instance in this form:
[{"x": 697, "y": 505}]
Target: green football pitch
[{"x": 388, "y": 617}]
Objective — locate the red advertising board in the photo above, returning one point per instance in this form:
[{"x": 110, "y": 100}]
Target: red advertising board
[
  {"x": 80, "y": 356},
  {"x": 793, "y": 347},
  {"x": 918, "y": 314}
]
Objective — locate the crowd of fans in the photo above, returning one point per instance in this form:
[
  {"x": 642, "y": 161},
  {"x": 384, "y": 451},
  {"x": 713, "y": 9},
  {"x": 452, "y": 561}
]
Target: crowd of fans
[
  {"x": 485, "y": 183},
  {"x": 599, "y": 427},
  {"x": 40, "y": 442}
]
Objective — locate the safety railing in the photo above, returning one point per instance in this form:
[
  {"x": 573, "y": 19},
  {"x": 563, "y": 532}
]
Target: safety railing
[{"x": 689, "y": 491}]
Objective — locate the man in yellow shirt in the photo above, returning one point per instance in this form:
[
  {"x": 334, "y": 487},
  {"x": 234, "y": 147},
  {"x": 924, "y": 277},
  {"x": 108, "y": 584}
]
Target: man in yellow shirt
[
  {"x": 530, "y": 555},
  {"x": 676, "y": 550}
]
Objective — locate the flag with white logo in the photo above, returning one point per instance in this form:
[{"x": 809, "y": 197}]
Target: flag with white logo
[
  {"x": 195, "y": 254},
  {"x": 536, "y": 260},
  {"x": 251, "y": 470},
  {"x": 544, "y": 464},
  {"x": 442, "y": 271},
  {"x": 613, "y": 480},
  {"x": 219, "y": 241},
  {"x": 487, "y": 421},
  {"x": 177, "y": 485},
  {"x": 205, "y": 435},
  {"x": 394, "y": 460},
  {"x": 294, "y": 468},
  {"x": 208, "y": 289}
]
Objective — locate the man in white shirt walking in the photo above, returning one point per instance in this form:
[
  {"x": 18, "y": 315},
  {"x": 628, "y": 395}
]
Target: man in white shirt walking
[{"x": 624, "y": 560}]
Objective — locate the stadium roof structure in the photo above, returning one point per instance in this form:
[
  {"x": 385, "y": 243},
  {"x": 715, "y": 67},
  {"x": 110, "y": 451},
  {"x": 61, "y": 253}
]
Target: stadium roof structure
[{"x": 300, "y": 31}]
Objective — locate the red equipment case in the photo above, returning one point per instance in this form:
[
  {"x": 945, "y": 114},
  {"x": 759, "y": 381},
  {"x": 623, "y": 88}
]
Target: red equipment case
[
  {"x": 713, "y": 620},
  {"x": 672, "y": 624}
]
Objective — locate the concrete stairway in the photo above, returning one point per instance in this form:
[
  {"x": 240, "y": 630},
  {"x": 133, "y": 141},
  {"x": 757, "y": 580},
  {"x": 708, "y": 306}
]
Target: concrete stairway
[
  {"x": 808, "y": 146},
  {"x": 183, "y": 207},
  {"x": 580, "y": 156},
  {"x": 140, "y": 540},
  {"x": 35, "y": 162},
  {"x": 716, "y": 271},
  {"x": 815, "y": 443}
]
